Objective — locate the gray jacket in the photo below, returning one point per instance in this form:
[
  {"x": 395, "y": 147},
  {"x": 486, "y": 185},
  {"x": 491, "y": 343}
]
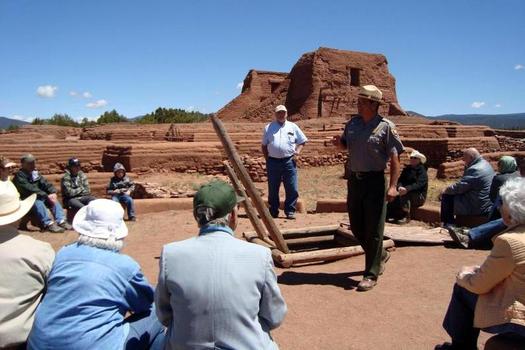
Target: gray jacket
[
  {"x": 472, "y": 191},
  {"x": 218, "y": 292}
]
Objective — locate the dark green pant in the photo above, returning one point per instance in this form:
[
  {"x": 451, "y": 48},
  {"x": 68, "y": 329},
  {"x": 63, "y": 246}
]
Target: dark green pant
[{"x": 367, "y": 211}]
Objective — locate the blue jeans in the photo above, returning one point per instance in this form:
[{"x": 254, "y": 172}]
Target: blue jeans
[
  {"x": 128, "y": 201},
  {"x": 145, "y": 332},
  {"x": 447, "y": 209},
  {"x": 459, "y": 319},
  {"x": 481, "y": 236},
  {"x": 285, "y": 171},
  {"x": 40, "y": 210}
]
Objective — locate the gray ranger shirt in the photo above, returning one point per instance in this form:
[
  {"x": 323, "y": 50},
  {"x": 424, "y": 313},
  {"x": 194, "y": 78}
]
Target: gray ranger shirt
[{"x": 370, "y": 145}]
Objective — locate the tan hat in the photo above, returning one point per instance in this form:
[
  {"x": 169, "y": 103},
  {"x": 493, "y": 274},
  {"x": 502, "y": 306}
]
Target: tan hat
[
  {"x": 11, "y": 207},
  {"x": 417, "y": 154},
  {"x": 370, "y": 92},
  {"x": 6, "y": 163},
  {"x": 280, "y": 108}
]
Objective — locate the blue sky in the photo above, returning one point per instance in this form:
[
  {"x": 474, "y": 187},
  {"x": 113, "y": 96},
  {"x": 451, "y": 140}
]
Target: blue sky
[{"x": 85, "y": 57}]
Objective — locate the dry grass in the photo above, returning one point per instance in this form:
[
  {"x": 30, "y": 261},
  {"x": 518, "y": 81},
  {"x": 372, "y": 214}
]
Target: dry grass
[{"x": 314, "y": 184}]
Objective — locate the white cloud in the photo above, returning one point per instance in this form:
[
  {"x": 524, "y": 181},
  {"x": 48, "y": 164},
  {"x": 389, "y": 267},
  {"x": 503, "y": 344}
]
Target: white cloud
[
  {"x": 477, "y": 104},
  {"x": 497, "y": 105},
  {"x": 90, "y": 118},
  {"x": 22, "y": 117},
  {"x": 239, "y": 85},
  {"x": 97, "y": 104},
  {"x": 87, "y": 94},
  {"x": 519, "y": 67},
  {"x": 73, "y": 93},
  {"x": 47, "y": 91},
  {"x": 190, "y": 109}
]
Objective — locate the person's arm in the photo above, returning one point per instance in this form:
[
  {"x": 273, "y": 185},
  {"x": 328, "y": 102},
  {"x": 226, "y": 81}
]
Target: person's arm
[
  {"x": 27, "y": 188},
  {"x": 394, "y": 176},
  {"x": 47, "y": 186},
  {"x": 111, "y": 189},
  {"x": 139, "y": 293},
  {"x": 130, "y": 186},
  {"x": 462, "y": 186},
  {"x": 162, "y": 296},
  {"x": 272, "y": 307},
  {"x": 68, "y": 191},
  {"x": 421, "y": 182},
  {"x": 340, "y": 141},
  {"x": 264, "y": 143},
  {"x": 300, "y": 140},
  {"x": 497, "y": 267}
]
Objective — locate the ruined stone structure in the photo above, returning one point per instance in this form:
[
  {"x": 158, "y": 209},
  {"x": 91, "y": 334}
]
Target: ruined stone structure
[{"x": 322, "y": 84}]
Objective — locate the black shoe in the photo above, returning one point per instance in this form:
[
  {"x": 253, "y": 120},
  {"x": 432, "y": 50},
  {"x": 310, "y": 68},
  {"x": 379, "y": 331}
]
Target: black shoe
[
  {"x": 384, "y": 260},
  {"x": 458, "y": 235},
  {"x": 366, "y": 284},
  {"x": 65, "y": 225},
  {"x": 132, "y": 218},
  {"x": 290, "y": 216},
  {"x": 275, "y": 216},
  {"x": 54, "y": 228}
]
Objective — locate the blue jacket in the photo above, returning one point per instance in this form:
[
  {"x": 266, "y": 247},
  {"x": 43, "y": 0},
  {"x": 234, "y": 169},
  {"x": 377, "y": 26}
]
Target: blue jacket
[
  {"x": 472, "y": 191},
  {"x": 90, "y": 290},
  {"x": 218, "y": 292}
]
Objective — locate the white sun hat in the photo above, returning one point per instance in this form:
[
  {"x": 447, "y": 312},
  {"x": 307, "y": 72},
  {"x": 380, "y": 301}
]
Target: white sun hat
[
  {"x": 101, "y": 218},
  {"x": 280, "y": 108},
  {"x": 370, "y": 92},
  {"x": 417, "y": 154},
  {"x": 11, "y": 207}
]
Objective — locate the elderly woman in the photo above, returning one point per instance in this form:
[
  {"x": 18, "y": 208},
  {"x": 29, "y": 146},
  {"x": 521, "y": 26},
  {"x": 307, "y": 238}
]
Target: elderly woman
[
  {"x": 507, "y": 169},
  {"x": 491, "y": 297},
  {"x": 92, "y": 287},
  {"x": 412, "y": 188}
]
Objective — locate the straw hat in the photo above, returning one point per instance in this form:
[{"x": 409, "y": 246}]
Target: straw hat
[
  {"x": 6, "y": 163},
  {"x": 417, "y": 154},
  {"x": 370, "y": 92},
  {"x": 101, "y": 218},
  {"x": 11, "y": 207}
]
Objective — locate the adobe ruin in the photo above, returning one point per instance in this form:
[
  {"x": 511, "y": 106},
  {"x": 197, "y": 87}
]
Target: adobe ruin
[{"x": 322, "y": 84}]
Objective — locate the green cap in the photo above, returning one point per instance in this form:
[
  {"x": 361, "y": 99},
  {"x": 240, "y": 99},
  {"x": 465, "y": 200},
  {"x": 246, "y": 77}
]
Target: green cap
[{"x": 218, "y": 196}]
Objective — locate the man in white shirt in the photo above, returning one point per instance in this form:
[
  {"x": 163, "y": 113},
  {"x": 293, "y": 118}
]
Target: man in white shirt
[{"x": 281, "y": 141}]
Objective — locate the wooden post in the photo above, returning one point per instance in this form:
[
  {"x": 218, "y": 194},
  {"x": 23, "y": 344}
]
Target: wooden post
[
  {"x": 234, "y": 158},
  {"x": 247, "y": 204}
]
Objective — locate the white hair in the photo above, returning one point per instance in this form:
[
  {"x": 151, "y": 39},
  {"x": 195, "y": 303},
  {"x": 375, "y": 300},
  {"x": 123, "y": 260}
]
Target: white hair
[
  {"x": 513, "y": 195},
  {"x": 204, "y": 217},
  {"x": 101, "y": 243}
]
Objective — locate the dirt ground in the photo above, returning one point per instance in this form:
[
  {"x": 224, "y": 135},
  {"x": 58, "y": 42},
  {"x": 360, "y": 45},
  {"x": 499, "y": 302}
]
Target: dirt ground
[{"x": 404, "y": 311}]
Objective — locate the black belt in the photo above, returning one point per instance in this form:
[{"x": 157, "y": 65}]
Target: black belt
[
  {"x": 280, "y": 159},
  {"x": 363, "y": 174}
]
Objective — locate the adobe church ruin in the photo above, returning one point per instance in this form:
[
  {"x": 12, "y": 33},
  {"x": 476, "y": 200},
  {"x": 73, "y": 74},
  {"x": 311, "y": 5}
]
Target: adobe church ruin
[{"x": 322, "y": 84}]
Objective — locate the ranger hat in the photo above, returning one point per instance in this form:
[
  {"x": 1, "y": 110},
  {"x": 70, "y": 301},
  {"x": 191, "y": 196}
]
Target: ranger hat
[
  {"x": 217, "y": 198},
  {"x": 370, "y": 92},
  {"x": 280, "y": 108}
]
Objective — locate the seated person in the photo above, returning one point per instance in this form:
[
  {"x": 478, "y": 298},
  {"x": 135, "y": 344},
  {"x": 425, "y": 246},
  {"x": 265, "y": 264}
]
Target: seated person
[
  {"x": 5, "y": 168},
  {"x": 412, "y": 188},
  {"x": 25, "y": 264},
  {"x": 491, "y": 297},
  {"x": 470, "y": 195},
  {"x": 246, "y": 302},
  {"x": 28, "y": 181},
  {"x": 91, "y": 288},
  {"x": 75, "y": 186},
  {"x": 507, "y": 168},
  {"x": 120, "y": 188}
]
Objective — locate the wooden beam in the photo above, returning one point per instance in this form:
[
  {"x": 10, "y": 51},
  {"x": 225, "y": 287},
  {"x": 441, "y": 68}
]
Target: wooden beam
[
  {"x": 258, "y": 202},
  {"x": 287, "y": 260},
  {"x": 247, "y": 204}
]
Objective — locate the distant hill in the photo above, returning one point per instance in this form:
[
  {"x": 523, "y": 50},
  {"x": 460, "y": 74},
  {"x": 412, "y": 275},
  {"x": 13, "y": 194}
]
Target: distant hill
[
  {"x": 6, "y": 122},
  {"x": 497, "y": 121}
]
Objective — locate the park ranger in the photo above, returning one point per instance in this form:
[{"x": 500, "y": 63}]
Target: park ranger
[{"x": 371, "y": 141}]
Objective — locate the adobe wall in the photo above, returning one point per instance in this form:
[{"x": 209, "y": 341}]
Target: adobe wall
[
  {"x": 453, "y": 170},
  {"x": 322, "y": 84}
]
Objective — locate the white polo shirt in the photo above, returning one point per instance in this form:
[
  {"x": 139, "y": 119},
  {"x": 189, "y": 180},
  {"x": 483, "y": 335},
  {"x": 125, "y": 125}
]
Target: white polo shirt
[{"x": 282, "y": 139}]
